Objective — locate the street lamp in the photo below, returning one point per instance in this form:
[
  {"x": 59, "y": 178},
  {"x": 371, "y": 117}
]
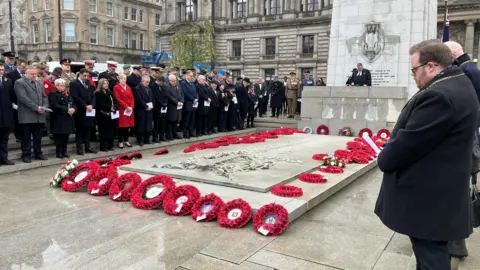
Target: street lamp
[
  {"x": 60, "y": 56},
  {"x": 213, "y": 34},
  {"x": 10, "y": 15}
]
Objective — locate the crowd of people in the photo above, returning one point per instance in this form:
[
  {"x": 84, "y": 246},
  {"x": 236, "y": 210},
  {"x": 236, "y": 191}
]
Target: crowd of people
[{"x": 153, "y": 104}]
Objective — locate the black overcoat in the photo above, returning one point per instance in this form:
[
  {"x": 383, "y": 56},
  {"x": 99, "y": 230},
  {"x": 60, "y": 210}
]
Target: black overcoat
[
  {"x": 6, "y": 100},
  {"x": 82, "y": 96},
  {"x": 174, "y": 95},
  {"x": 104, "y": 102},
  {"x": 428, "y": 159},
  {"x": 60, "y": 121},
  {"x": 278, "y": 94},
  {"x": 161, "y": 101},
  {"x": 143, "y": 118},
  {"x": 202, "y": 97},
  {"x": 471, "y": 70}
]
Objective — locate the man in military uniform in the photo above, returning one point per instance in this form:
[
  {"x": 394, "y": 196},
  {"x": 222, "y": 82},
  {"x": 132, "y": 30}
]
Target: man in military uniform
[
  {"x": 67, "y": 74},
  {"x": 293, "y": 85},
  {"x": 93, "y": 76},
  {"x": 9, "y": 62},
  {"x": 110, "y": 74},
  {"x": 135, "y": 78},
  {"x": 126, "y": 69},
  {"x": 40, "y": 71}
]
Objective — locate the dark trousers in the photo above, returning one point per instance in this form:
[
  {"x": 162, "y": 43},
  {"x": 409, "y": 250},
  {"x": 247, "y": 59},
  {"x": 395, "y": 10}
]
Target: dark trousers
[
  {"x": 243, "y": 116},
  {"x": 4, "y": 133},
  {"x": 106, "y": 144},
  {"x": 262, "y": 106},
  {"x": 159, "y": 128},
  {"x": 250, "y": 118},
  {"x": 202, "y": 124},
  {"x": 431, "y": 255},
  {"x": 17, "y": 131},
  {"x": 171, "y": 130},
  {"x": 30, "y": 131},
  {"x": 123, "y": 134},
  {"x": 299, "y": 107},
  {"x": 276, "y": 112},
  {"x": 188, "y": 123},
  {"x": 143, "y": 135},
  {"x": 83, "y": 136},
  {"x": 222, "y": 121},
  {"x": 213, "y": 118},
  {"x": 61, "y": 141}
]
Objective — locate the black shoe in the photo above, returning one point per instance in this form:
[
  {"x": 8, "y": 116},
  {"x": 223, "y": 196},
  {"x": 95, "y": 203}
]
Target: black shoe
[
  {"x": 40, "y": 157},
  {"x": 50, "y": 137},
  {"x": 248, "y": 126},
  {"x": 140, "y": 143},
  {"x": 110, "y": 148},
  {"x": 65, "y": 155},
  {"x": 103, "y": 149},
  {"x": 26, "y": 159},
  {"x": 7, "y": 162},
  {"x": 164, "y": 139},
  {"x": 90, "y": 150},
  {"x": 59, "y": 156},
  {"x": 272, "y": 115},
  {"x": 155, "y": 141}
]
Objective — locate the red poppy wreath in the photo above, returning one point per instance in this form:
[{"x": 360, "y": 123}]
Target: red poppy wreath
[
  {"x": 318, "y": 156},
  {"x": 323, "y": 130},
  {"x": 180, "y": 200},
  {"x": 331, "y": 169},
  {"x": 102, "y": 181},
  {"x": 102, "y": 161},
  {"x": 287, "y": 191},
  {"x": 313, "y": 178},
  {"x": 235, "y": 214},
  {"x": 80, "y": 177},
  {"x": 162, "y": 151},
  {"x": 365, "y": 130},
  {"x": 270, "y": 219},
  {"x": 189, "y": 149},
  {"x": 122, "y": 157},
  {"x": 151, "y": 192},
  {"x": 206, "y": 208},
  {"x": 123, "y": 187},
  {"x": 384, "y": 134},
  {"x": 120, "y": 162},
  {"x": 135, "y": 155}
]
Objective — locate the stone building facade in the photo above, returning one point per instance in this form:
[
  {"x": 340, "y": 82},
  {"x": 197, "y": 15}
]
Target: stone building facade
[{"x": 253, "y": 37}]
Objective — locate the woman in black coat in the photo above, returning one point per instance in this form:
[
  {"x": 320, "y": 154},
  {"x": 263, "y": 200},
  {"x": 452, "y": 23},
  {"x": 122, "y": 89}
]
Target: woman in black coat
[
  {"x": 233, "y": 114},
  {"x": 61, "y": 117},
  {"x": 105, "y": 107},
  {"x": 143, "y": 111},
  {"x": 214, "y": 107},
  {"x": 278, "y": 95},
  {"x": 160, "y": 110},
  {"x": 203, "y": 106},
  {"x": 224, "y": 101}
]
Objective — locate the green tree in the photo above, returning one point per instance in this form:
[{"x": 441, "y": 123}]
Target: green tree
[{"x": 193, "y": 44}]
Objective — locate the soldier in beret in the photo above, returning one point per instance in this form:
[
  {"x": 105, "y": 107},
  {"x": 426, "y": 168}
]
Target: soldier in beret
[{"x": 9, "y": 62}]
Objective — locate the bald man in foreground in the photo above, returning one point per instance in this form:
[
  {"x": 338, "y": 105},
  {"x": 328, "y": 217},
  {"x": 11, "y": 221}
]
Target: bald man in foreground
[{"x": 468, "y": 66}]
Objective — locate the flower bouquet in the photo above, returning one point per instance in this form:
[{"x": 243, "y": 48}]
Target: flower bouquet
[{"x": 63, "y": 173}]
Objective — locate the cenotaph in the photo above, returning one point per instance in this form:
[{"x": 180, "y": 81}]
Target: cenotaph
[{"x": 378, "y": 34}]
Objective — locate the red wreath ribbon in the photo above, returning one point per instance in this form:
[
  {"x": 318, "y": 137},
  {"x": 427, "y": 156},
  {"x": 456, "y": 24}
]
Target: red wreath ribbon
[
  {"x": 318, "y": 156},
  {"x": 384, "y": 132},
  {"x": 69, "y": 185},
  {"x": 359, "y": 158},
  {"x": 331, "y": 169},
  {"x": 210, "y": 199},
  {"x": 135, "y": 155},
  {"x": 367, "y": 130},
  {"x": 280, "y": 225},
  {"x": 100, "y": 187},
  {"x": 116, "y": 191},
  {"x": 227, "y": 221},
  {"x": 287, "y": 191},
  {"x": 313, "y": 178},
  {"x": 161, "y": 152},
  {"x": 137, "y": 199},
  {"x": 170, "y": 205},
  {"x": 323, "y": 130},
  {"x": 189, "y": 149},
  {"x": 122, "y": 157},
  {"x": 120, "y": 162}
]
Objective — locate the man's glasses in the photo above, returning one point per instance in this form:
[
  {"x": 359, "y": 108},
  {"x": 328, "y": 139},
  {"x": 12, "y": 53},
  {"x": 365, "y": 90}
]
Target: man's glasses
[{"x": 415, "y": 68}]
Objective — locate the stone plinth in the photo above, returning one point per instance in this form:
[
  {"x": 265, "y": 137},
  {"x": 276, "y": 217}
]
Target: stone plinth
[{"x": 356, "y": 107}]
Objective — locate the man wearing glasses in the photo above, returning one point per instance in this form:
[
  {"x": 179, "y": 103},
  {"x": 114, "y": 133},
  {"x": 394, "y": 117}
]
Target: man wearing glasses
[{"x": 427, "y": 161}]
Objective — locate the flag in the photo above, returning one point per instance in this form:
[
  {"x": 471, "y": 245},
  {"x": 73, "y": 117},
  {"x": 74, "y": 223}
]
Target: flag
[{"x": 446, "y": 24}]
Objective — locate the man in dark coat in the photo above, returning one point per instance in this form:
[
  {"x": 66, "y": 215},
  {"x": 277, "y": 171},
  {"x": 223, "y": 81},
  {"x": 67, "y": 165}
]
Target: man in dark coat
[
  {"x": 278, "y": 95},
  {"x": 160, "y": 109},
  {"x": 15, "y": 75},
  {"x": 174, "y": 107},
  {"x": 9, "y": 65},
  {"x": 6, "y": 116},
  {"x": 428, "y": 158},
  {"x": 362, "y": 76},
  {"x": 110, "y": 75},
  {"x": 242, "y": 96},
  {"x": 214, "y": 107},
  {"x": 191, "y": 104},
  {"x": 143, "y": 111},
  {"x": 135, "y": 78},
  {"x": 204, "y": 101},
  {"x": 260, "y": 92},
  {"x": 82, "y": 92}
]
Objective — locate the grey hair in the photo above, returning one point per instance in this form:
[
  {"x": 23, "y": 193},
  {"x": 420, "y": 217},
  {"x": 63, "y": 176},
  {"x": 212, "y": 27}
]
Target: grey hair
[
  {"x": 122, "y": 76},
  {"x": 201, "y": 77},
  {"x": 171, "y": 76},
  {"x": 59, "y": 82},
  {"x": 145, "y": 78}
]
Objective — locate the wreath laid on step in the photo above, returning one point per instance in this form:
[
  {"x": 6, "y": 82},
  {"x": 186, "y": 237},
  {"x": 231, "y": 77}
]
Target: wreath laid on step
[
  {"x": 331, "y": 169},
  {"x": 150, "y": 193},
  {"x": 206, "y": 208},
  {"x": 270, "y": 219},
  {"x": 162, "y": 151},
  {"x": 64, "y": 172},
  {"x": 323, "y": 130},
  {"x": 313, "y": 178},
  {"x": 102, "y": 181},
  {"x": 318, "y": 156},
  {"x": 287, "y": 191},
  {"x": 235, "y": 214},
  {"x": 102, "y": 161},
  {"x": 80, "y": 177},
  {"x": 122, "y": 157},
  {"x": 345, "y": 131},
  {"x": 332, "y": 160},
  {"x": 180, "y": 201},
  {"x": 120, "y": 162},
  {"x": 365, "y": 130},
  {"x": 135, "y": 155},
  {"x": 123, "y": 187}
]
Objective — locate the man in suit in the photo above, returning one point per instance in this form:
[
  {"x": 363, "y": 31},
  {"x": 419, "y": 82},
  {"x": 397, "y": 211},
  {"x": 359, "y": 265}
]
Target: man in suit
[
  {"x": 6, "y": 116},
  {"x": 174, "y": 108},
  {"x": 14, "y": 76},
  {"x": 427, "y": 161},
  {"x": 242, "y": 96},
  {"x": 190, "y": 105},
  {"x": 261, "y": 91},
  {"x": 9, "y": 62},
  {"x": 32, "y": 105},
  {"x": 361, "y": 77}
]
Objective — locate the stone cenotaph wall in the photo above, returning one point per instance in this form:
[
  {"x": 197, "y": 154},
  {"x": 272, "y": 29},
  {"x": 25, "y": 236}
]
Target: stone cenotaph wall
[{"x": 378, "y": 34}]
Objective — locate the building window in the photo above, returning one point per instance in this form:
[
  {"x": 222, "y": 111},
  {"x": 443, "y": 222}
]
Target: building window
[
  {"x": 34, "y": 5},
  {"x": 109, "y": 9},
  {"x": 236, "y": 48},
  {"x": 133, "y": 41},
  {"x": 68, "y": 4},
  {"x": 93, "y": 6},
  {"x": 134, "y": 14},
  {"x": 158, "y": 44},
  {"x": 236, "y": 73},
  {"x": 157, "y": 19},
  {"x": 125, "y": 13},
  {"x": 189, "y": 10},
  {"x": 48, "y": 4},
  {"x": 270, "y": 46},
  {"x": 93, "y": 31},
  {"x": 127, "y": 39},
  {"x": 110, "y": 35},
  {"x": 48, "y": 32},
  {"x": 36, "y": 33},
  {"x": 307, "y": 44},
  {"x": 275, "y": 7},
  {"x": 141, "y": 45},
  {"x": 69, "y": 31},
  {"x": 242, "y": 8},
  {"x": 269, "y": 74},
  {"x": 313, "y": 5},
  {"x": 140, "y": 15}
]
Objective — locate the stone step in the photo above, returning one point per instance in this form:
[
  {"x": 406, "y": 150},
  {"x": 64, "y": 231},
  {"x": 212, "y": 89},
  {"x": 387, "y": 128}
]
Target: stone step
[{"x": 13, "y": 144}]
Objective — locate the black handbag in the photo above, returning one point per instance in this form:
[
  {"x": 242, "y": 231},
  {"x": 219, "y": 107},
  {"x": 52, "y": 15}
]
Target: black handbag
[{"x": 475, "y": 197}]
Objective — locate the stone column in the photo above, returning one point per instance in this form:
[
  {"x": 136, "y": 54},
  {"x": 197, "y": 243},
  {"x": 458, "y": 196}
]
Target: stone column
[
  {"x": 182, "y": 12},
  {"x": 305, "y": 5},
  {"x": 229, "y": 9},
  {"x": 269, "y": 9},
  {"x": 224, "y": 8},
  {"x": 198, "y": 13},
  {"x": 262, "y": 7},
  {"x": 469, "y": 37},
  {"x": 235, "y": 8},
  {"x": 293, "y": 5},
  {"x": 251, "y": 7}
]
